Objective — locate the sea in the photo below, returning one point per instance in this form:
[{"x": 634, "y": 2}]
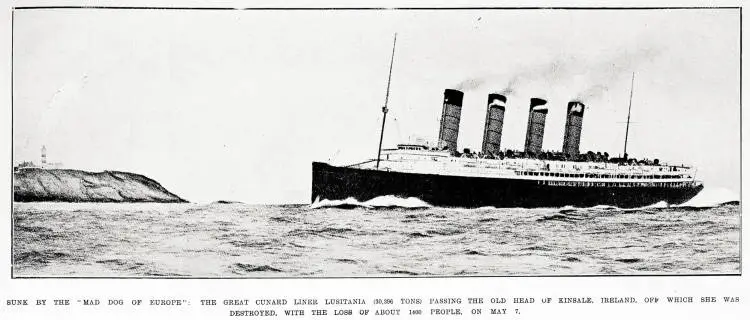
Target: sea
[{"x": 383, "y": 237}]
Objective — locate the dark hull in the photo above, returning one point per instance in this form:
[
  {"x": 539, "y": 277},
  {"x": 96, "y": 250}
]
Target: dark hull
[{"x": 338, "y": 183}]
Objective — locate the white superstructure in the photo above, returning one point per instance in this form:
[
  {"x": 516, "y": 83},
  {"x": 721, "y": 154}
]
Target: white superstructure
[{"x": 422, "y": 160}]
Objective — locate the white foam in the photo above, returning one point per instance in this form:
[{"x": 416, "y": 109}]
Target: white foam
[
  {"x": 394, "y": 201},
  {"x": 325, "y": 203},
  {"x": 711, "y": 197},
  {"x": 377, "y": 202},
  {"x": 658, "y": 205},
  {"x": 487, "y": 208},
  {"x": 708, "y": 197}
]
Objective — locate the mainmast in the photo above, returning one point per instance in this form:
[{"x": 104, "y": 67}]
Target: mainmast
[
  {"x": 627, "y": 126},
  {"x": 385, "y": 106}
]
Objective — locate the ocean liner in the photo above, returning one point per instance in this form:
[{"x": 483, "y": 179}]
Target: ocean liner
[{"x": 443, "y": 176}]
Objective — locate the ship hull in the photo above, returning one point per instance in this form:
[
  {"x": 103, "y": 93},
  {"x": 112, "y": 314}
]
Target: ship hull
[{"x": 338, "y": 183}]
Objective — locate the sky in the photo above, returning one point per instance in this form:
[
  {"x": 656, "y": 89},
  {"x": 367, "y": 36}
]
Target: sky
[{"x": 235, "y": 105}]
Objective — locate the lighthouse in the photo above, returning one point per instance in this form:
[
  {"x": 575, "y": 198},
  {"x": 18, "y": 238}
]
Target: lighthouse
[{"x": 44, "y": 156}]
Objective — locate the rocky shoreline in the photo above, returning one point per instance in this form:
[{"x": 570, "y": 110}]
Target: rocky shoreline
[{"x": 69, "y": 185}]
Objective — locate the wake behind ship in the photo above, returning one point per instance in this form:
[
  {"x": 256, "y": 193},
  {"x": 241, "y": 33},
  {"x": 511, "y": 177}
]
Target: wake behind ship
[{"x": 443, "y": 176}]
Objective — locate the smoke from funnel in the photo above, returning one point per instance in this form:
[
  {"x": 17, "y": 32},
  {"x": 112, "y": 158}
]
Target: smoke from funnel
[
  {"x": 606, "y": 73},
  {"x": 597, "y": 73},
  {"x": 470, "y": 84}
]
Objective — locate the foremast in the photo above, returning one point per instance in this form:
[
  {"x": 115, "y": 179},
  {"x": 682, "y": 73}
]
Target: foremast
[{"x": 385, "y": 105}]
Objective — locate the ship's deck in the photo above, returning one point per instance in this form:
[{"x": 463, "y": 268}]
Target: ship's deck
[{"x": 550, "y": 172}]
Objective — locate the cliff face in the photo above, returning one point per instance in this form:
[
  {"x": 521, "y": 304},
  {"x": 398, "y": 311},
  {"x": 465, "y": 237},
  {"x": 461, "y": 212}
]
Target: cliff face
[{"x": 65, "y": 185}]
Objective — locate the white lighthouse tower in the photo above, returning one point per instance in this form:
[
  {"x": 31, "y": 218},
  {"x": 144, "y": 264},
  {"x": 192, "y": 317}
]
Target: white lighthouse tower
[{"x": 44, "y": 156}]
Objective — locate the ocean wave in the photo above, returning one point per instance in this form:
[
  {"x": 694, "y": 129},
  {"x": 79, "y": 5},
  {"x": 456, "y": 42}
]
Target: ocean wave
[
  {"x": 241, "y": 243},
  {"x": 321, "y": 232},
  {"x": 250, "y": 268},
  {"x": 281, "y": 219},
  {"x": 657, "y": 206},
  {"x": 471, "y": 252},
  {"x": 629, "y": 260},
  {"x": 712, "y": 197},
  {"x": 446, "y": 232},
  {"x": 419, "y": 235},
  {"x": 563, "y": 209},
  {"x": 165, "y": 274},
  {"x": 39, "y": 257},
  {"x": 537, "y": 248},
  {"x": 706, "y": 202},
  {"x": 32, "y": 229},
  {"x": 121, "y": 264},
  {"x": 345, "y": 260},
  {"x": 560, "y": 217},
  {"x": 389, "y": 201},
  {"x": 707, "y": 198},
  {"x": 402, "y": 272},
  {"x": 280, "y": 241}
]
